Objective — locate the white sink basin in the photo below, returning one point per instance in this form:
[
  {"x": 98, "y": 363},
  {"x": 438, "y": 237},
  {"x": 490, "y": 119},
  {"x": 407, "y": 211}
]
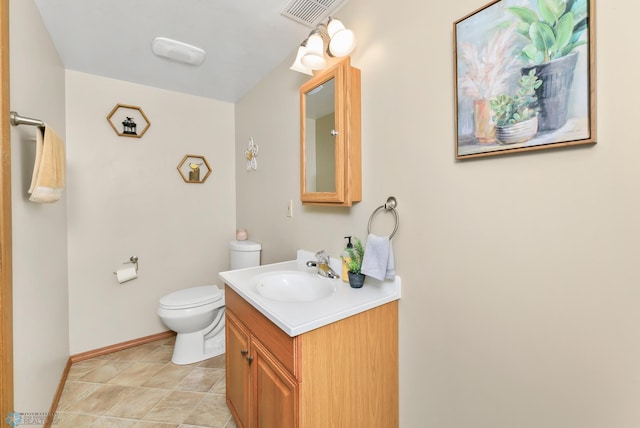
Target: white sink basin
[
  {"x": 288, "y": 305},
  {"x": 294, "y": 286}
]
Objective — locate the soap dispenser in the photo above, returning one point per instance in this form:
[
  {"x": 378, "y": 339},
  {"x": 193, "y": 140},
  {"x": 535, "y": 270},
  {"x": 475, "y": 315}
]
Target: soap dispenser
[{"x": 345, "y": 260}]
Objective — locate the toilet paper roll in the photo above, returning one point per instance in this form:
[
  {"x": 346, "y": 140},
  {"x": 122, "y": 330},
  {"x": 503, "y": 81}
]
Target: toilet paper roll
[{"x": 126, "y": 274}]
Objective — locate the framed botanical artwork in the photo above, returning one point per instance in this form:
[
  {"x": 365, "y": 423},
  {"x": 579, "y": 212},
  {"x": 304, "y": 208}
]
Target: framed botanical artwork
[{"x": 524, "y": 77}]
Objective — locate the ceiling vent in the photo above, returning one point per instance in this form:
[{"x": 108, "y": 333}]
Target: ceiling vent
[{"x": 310, "y": 12}]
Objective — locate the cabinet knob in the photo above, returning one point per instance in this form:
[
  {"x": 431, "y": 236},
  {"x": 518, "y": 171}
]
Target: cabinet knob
[
  {"x": 334, "y": 133},
  {"x": 250, "y": 360},
  {"x": 244, "y": 351}
]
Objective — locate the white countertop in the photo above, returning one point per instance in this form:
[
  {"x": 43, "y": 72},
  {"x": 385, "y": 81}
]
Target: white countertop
[{"x": 295, "y": 318}]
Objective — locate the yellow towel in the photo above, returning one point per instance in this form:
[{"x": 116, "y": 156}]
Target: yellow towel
[{"x": 48, "y": 177}]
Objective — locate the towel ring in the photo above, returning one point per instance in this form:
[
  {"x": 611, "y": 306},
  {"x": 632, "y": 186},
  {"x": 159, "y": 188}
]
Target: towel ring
[{"x": 390, "y": 205}]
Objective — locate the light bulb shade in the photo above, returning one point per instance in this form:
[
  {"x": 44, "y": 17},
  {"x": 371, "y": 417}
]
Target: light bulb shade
[
  {"x": 314, "y": 56},
  {"x": 334, "y": 26},
  {"x": 297, "y": 64},
  {"x": 313, "y": 61},
  {"x": 342, "y": 42}
]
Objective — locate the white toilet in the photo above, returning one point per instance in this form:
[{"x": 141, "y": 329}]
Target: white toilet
[{"x": 196, "y": 314}]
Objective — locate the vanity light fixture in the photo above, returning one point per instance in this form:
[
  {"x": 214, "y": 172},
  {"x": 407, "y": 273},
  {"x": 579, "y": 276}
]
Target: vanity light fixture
[
  {"x": 313, "y": 58},
  {"x": 297, "y": 64},
  {"x": 343, "y": 41},
  {"x": 177, "y": 51},
  {"x": 311, "y": 53}
]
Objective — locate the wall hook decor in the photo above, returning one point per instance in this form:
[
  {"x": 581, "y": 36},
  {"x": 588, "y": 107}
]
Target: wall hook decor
[
  {"x": 128, "y": 121},
  {"x": 250, "y": 154}
]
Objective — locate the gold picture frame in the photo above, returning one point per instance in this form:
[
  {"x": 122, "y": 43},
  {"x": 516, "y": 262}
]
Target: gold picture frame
[{"x": 524, "y": 77}]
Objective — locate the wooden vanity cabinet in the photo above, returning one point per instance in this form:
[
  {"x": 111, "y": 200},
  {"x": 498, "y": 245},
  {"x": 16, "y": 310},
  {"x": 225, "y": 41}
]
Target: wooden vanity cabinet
[{"x": 344, "y": 374}]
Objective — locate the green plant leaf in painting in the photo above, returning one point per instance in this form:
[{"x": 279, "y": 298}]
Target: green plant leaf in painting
[
  {"x": 564, "y": 29},
  {"x": 578, "y": 8},
  {"x": 555, "y": 29},
  {"x": 578, "y": 29},
  {"x": 522, "y": 28},
  {"x": 579, "y": 43},
  {"x": 532, "y": 54},
  {"x": 551, "y": 10},
  {"x": 564, "y": 51},
  {"x": 524, "y": 13},
  {"x": 546, "y": 13},
  {"x": 567, "y": 49},
  {"x": 542, "y": 37}
]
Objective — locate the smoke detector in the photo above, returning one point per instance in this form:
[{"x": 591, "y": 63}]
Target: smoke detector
[{"x": 310, "y": 12}]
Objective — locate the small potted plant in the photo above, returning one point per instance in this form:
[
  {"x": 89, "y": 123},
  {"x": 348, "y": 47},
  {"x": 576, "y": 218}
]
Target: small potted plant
[
  {"x": 516, "y": 116},
  {"x": 356, "y": 253},
  {"x": 553, "y": 31}
]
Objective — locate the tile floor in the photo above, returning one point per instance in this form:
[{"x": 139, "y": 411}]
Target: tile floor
[{"x": 141, "y": 388}]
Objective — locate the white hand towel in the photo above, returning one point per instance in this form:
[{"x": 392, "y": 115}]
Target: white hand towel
[
  {"x": 378, "y": 260},
  {"x": 48, "y": 176}
]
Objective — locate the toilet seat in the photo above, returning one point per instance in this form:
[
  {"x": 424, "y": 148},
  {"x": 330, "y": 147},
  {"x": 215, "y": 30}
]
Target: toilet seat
[{"x": 191, "y": 297}]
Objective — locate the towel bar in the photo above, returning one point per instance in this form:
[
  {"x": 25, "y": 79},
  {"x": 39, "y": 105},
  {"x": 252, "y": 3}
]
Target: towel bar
[
  {"x": 390, "y": 205},
  {"x": 16, "y": 120}
]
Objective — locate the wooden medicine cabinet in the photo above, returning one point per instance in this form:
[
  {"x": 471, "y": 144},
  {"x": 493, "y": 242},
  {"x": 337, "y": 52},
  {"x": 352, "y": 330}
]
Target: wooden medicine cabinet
[{"x": 330, "y": 151}]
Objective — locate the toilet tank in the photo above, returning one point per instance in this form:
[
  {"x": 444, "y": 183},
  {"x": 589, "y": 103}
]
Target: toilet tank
[{"x": 244, "y": 254}]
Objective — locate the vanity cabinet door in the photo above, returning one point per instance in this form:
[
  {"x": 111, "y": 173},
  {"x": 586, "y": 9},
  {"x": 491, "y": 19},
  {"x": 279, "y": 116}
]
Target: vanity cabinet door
[
  {"x": 261, "y": 391},
  {"x": 275, "y": 392},
  {"x": 238, "y": 371}
]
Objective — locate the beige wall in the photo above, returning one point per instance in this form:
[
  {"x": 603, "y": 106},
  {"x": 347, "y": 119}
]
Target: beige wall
[
  {"x": 126, "y": 198},
  {"x": 40, "y": 309},
  {"x": 520, "y": 273}
]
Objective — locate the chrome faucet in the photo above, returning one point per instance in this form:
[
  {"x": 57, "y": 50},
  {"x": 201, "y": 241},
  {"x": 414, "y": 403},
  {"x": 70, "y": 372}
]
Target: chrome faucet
[{"x": 322, "y": 264}]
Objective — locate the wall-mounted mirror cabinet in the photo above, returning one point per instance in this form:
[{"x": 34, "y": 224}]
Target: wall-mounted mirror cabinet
[{"x": 330, "y": 152}]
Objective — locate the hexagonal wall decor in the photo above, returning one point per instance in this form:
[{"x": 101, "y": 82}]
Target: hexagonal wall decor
[
  {"x": 195, "y": 167},
  {"x": 128, "y": 121}
]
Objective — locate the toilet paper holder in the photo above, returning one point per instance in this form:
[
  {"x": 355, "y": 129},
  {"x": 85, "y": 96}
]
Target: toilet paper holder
[{"x": 132, "y": 259}]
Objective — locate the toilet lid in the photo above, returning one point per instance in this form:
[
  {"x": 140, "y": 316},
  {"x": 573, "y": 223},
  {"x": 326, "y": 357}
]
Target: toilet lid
[{"x": 191, "y": 297}]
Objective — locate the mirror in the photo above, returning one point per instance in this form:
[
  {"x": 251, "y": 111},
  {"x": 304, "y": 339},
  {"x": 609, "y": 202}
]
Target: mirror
[
  {"x": 320, "y": 139},
  {"x": 330, "y": 165}
]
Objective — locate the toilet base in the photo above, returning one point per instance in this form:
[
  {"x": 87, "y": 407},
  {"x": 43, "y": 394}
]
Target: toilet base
[{"x": 192, "y": 347}]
